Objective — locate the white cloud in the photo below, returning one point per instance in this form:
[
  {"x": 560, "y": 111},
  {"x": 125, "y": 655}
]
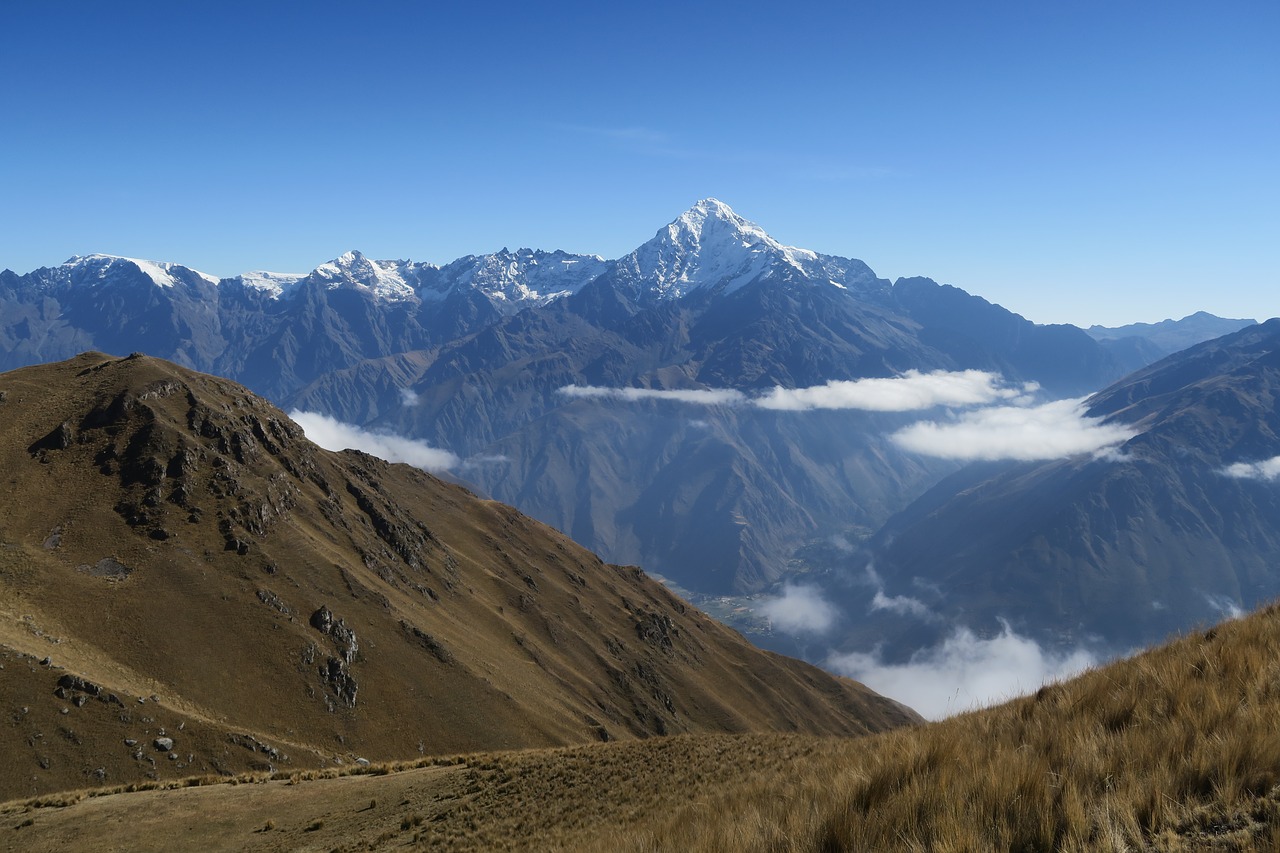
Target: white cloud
[
  {"x": 1049, "y": 431},
  {"x": 800, "y": 609},
  {"x": 964, "y": 672},
  {"x": 333, "y": 434},
  {"x": 912, "y": 391},
  {"x": 1225, "y": 605},
  {"x": 903, "y": 605},
  {"x": 700, "y": 396},
  {"x": 1266, "y": 471},
  {"x": 408, "y": 397},
  {"x": 482, "y": 459}
]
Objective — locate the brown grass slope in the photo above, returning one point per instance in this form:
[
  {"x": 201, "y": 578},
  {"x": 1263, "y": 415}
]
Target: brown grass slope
[
  {"x": 1177, "y": 749},
  {"x": 177, "y": 561}
]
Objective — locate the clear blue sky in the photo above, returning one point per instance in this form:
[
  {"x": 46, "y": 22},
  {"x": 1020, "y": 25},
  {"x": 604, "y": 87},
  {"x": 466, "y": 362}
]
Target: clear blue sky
[{"x": 1076, "y": 162}]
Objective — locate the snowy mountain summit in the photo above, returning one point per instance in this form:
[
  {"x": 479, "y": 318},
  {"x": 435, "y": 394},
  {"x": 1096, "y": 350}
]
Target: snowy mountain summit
[
  {"x": 385, "y": 280},
  {"x": 707, "y": 248},
  {"x": 99, "y": 269},
  {"x": 710, "y": 246}
]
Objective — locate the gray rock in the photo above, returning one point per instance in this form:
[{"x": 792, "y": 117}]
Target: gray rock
[{"x": 164, "y": 744}]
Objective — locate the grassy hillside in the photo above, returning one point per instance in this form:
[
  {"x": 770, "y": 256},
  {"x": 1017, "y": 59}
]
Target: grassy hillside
[
  {"x": 1176, "y": 749},
  {"x": 188, "y": 586}
]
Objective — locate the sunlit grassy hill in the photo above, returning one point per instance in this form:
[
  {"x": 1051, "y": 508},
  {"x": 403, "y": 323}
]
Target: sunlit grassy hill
[
  {"x": 1175, "y": 749},
  {"x": 188, "y": 586}
]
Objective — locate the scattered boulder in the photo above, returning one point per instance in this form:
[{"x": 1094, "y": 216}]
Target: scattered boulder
[
  {"x": 163, "y": 744},
  {"x": 107, "y": 568}
]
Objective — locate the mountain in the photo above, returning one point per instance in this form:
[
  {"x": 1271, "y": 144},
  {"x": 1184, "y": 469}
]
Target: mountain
[
  {"x": 719, "y": 496},
  {"x": 274, "y": 331},
  {"x": 481, "y": 357},
  {"x": 1144, "y": 343},
  {"x": 1177, "y": 526},
  {"x": 193, "y": 587}
]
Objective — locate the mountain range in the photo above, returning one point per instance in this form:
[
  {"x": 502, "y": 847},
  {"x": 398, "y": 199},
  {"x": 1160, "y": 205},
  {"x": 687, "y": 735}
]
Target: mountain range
[
  {"x": 705, "y": 406},
  {"x": 1148, "y": 342},
  {"x": 483, "y": 356}
]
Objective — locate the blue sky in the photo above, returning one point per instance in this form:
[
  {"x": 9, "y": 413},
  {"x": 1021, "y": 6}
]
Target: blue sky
[{"x": 1083, "y": 162}]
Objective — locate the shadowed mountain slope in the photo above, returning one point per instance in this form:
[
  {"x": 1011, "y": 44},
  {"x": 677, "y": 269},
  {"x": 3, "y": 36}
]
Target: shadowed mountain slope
[
  {"x": 1178, "y": 526},
  {"x": 190, "y": 586}
]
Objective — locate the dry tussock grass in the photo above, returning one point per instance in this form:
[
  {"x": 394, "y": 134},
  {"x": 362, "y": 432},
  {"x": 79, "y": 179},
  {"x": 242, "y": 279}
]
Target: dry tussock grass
[{"x": 1176, "y": 749}]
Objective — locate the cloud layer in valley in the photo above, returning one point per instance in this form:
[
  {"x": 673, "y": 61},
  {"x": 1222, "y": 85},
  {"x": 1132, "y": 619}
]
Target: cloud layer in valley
[
  {"x": 1267, "y": 470},
  {"x": 912, "y": 391},
  {"x": 800, "y": 609},
  {"x": 964, "y": 672},
  {"x": 333, "y": 434},
  {"x": 1049, "y": 431},
  {"x": 699, "y": 396}
]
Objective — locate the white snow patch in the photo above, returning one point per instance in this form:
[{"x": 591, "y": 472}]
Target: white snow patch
[
  {"x": 158, "y": 272},
  {"x": 274, "y": 284}
]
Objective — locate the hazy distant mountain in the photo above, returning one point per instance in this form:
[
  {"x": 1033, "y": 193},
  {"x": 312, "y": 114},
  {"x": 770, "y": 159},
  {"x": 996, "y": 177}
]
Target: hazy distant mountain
[
  {"x": 476, "y": 355},
  {"x": 1144, "y": 343},
  {"x": 1179, "y": 525},
  {"x": 202, "y": 590}
]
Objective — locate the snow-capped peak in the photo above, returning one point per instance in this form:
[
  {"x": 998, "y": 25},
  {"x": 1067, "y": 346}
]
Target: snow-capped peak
[
  {"x": 384, "y": 279},
  {"x": 105, "y": 265},
  {"x": 709, "y": 244},
  {"x": 512, "y": 280},
  {"x": 711, "y": 221}
]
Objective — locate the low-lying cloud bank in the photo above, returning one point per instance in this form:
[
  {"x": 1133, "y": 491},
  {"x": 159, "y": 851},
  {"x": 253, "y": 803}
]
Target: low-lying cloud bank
[
  {"x": 964, "y": 672},
  {"x": 910, "y": 392},
  {"x": 1267, "y": 471},
  {"x": 333, "y": 434},
  {"x": 800, "y": 609},
  {"x": 699, "y": 396},
  {"x": 1049, "y": 431}
]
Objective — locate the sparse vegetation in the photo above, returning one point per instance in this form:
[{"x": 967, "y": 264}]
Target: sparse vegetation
[{"x": 1174, "y": 749}]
